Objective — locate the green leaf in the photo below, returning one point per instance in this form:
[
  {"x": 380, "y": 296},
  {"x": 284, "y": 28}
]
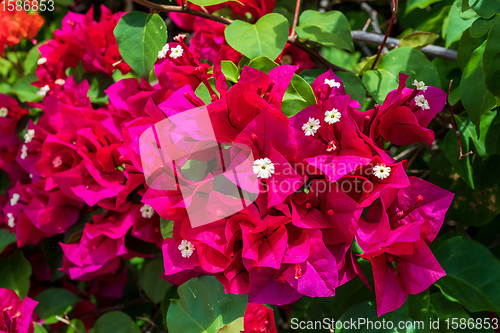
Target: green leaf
[
  {"x": 166, "y": 227},
  {"x": 267, "y": 37},
  {"x": 15, "y": 272},
  {"x": 210, "y": 2},
  {"x": 30, "y": 63},
  {"x": 353, "y": 86},
  {"x": 444, "y": 308},
  {"x": 140, "y": 37},
  {"x": 115, "y": 322},
  {"x": 481, "y": 26},
  {"x": 457, "y": 22},
  {"x": 151, "y": 282},
  {"x": 204, "y": 307},
  {"x": 418, "y": 39},
  {"x": 24, "y": 90},
  {"x": 39, "y": 328},
  {"x": 6, "y": 238},
  {"x": 263, "y": 63},
  {"x": 466, "y": 46},
  {"x": 485, "y": 8},
  {"x": 476, "y": 99},
  {"x": 471, "y": 274},
  {"x": 76, "y": 326},
  {"x": 235, "y": 327},
  {"x": 379, "y": 83},
  {"x": 491, "y": 60},
  {"x": 230, "y": 71},
  {"x": 329, "y": 28},
  {"x": 450, "y": 148},
  {"x": 422, "y": 4},
  {"x": 341, "y": 58},
  {"x": 55, "y": 302},
  {"x": 412, "y": 62}
]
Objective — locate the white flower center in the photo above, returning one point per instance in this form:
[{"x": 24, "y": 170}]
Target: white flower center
[
  {"x": 60, "y": 82},
  {"x": 332, "y": 83},
  {"x": 41, "y": 61},
  {"x": 163, "y": 53},
  {"x": 331, "y": 146},
  {"x": 187, "y": 248},
  {"x": 24, "y": 152},
  {"x": 263, "y": 168},
  {"x": 422, "y": 102},
  {"x": 176, "y": 52},
  {"x": 419, "y": 85},
  {"x": 14, "y": 199},
  {"x": 311, "y": 127},
  {"x": 11, "y": 221},
  {"x": 381, "y": 171},
  {"x": 30, "y": 134},
  {"x": 4, "y": 112},
  {"x": 147, "y": 211},
  {"x": 43, "y": 90},
  {"x": 331, "y": 117},
  {"x": 57, "y": 161}
]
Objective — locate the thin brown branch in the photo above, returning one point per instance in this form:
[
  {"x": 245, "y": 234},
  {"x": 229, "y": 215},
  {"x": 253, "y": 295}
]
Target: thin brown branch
[
  {"x": 430, "y": 50},
  {"x": 454, "y": 124},
  {"x": 388, "y": 31},
  {"x": 291, "y": 40},
  {"x": 295, "y": 18}
]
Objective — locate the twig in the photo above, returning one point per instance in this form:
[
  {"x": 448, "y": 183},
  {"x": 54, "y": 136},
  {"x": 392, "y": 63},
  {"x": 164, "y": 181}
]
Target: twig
[
  {"x": 295, "y": 18},
  {"x": 68, "y": 322},
  {"x": 430, "y": 50},
  {"x": 454, "y": 124},
  {"x": 388, "y": 31},
  {"x": 373, "y": 17}
]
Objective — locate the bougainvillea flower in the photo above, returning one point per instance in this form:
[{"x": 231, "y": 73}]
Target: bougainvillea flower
[
  {"x": 16, "y": 316},
  {"x": 259, "y": 318}
]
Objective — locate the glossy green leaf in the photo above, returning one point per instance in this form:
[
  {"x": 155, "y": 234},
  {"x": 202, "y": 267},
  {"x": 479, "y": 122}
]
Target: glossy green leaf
[
  {"x": 353, "y": 86},
  {"x": 39, "y": 328},
  {"x": 481, "y": 26},
  {"x": 115, "y": 322},
  {"x": 418, "y": 39},
  {"x": 413, "y": 4},
  {"x": 151, "y": 282},
  {"x": 15, "y": 272},
  {"x": 204, "y": 307},
  {"x": 340, "y": 57},
  {"x": 55, "y": 302},
  {"x": 328, "y": 28},
  {"x": 166, "y": 227},
  {"x": 140, "y": 37},
  {"x": 471, "y": 274},
  {"x": 267, "y": 37},
  {"x": 6, "y": 238},
  {"x": 485, "y": 8},
  {"x": 491, "y": 60},
  {"x": 379, "y": 83},
  {"x": 230, "y": 71},
  {"x": 457, "y": 22},
  {"x": 235, "y": 327},
  {"x": 476, "y": 99},
  {"x": 466, "y": 46}
]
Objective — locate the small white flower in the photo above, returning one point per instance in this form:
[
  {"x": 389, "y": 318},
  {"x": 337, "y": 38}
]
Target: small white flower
[
  {"x": 30, "y": 134},
  {"x": 147, "y": 211},
  {"x": 381, "y": 171},
  {"x": 332, "y": 83},
  {"x": 31, "y": 176},
  {"x": 422, "y": 102},
  {"x": 24, "y": 152},
  {"x": 331, "y": 117},
  {"x": 176, "y": 52},
  {"x": 43, "y": 90},
  {"x": 187, "y": 248},
  {"x": 163, "y": 53},
  {"x": 4, "y": 112},
  {"x": 41, "y": 61},
  {"x": 263, "y": 168},
  {"x": 60, "y": 82},
  {"x": 311, "y": 127},
  {"x": 57, "y": 161},
  {"x": 14, "y": 199},
  {"x": 11, "y": 221},
  {"x": 420, "y": 85}
]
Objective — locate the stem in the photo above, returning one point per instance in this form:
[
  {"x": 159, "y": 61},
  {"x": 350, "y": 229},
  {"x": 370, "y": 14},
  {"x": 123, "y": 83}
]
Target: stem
[
  {"x": 295, "y": 18},
  {"x": 454, "y": 124},
  {"x": 388, "y": 31}
]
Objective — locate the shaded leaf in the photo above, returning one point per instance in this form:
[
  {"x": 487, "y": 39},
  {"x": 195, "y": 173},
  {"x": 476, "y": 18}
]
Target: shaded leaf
[
  {"x": 55, "y": 301},
  {"x": 15, "y": 272},
  {"x": 116, "y": 322}
]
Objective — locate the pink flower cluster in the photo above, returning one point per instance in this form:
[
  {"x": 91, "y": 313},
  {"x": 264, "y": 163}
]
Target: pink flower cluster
[
  {"x": 16, "y": 314},
  {"x": 318, "y": 172}
]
